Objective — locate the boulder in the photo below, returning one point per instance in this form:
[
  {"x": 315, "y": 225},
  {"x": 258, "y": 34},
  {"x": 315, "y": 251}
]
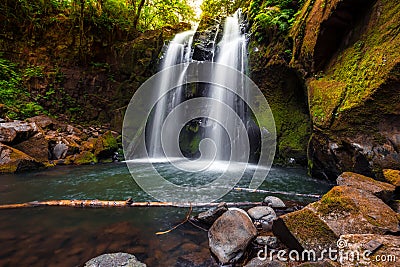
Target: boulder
[
  {"x": 16, "y": 131},
  {"x": 256, "y": 262},
  {"x": 83, "y": 158},
  {"x": 59, "y": 151},
  {"x": 209, "y": 216},
  {"x": 274, "y": 202},
  {"x": 385, "y": 249},
  {"x": 269, "y": 241},
  {"x": 37, "y": 147},
  {"x": 392, "y": 176},
  {"x": 230, "y": 235},
  {"x": 382, "y": 190},
  {"x": 13, "y": 160},
  {"x": 343, "y": 210},
  {"x": 118, "y": 259},
  {"x": 105, "y": 145},
  {"x": 43, "y": 121},
  {"x": 264, "y": 215}
]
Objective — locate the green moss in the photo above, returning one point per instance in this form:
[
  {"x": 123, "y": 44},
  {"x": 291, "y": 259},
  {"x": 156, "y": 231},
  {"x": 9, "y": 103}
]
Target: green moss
[
  {"x": 335, "y": 202},
  {"x": 308, "y": 228},
  {"x": 85, "y": 157}
]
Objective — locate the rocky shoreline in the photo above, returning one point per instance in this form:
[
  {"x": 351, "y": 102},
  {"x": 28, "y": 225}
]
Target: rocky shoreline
[{"x": 42, "y": 141}]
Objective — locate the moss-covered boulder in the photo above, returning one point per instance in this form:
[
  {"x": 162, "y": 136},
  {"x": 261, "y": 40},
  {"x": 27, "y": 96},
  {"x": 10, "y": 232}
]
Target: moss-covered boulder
[
  {"x": 392, "y": 176},
  {"x": 381, "y": 190},
  {"x": 349, "y": 53},
  {"x": 105, "y": 145},
  {"x": 13, "y": 160},
  {"x": 83, "y": 158},
  {"x": 343, "y": 210}
]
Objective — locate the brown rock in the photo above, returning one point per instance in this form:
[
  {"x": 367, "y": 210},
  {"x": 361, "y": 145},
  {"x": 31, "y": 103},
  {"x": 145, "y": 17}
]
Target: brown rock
[
  {"x": 209, "y": 216},
  {"x": 230, "y": 234},
  {"x": 343, "y": 210},
  {"x": 382, "y": 190},
  {"x": 16, "y": 131},
  {"x": 385, "y": 249},
  {"x": 43, "y": 121},
  {"x": 13, "y": 160},
  {"x": 36, "y": 147}
]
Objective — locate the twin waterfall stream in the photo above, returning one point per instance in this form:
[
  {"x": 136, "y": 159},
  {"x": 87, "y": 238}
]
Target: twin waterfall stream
[{"x": 229, "y": 51}]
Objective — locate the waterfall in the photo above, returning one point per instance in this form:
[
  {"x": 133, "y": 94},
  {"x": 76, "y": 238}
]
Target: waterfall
[
  {"x": 179, "y": 50},
  {"x": 232, "y": 53}
]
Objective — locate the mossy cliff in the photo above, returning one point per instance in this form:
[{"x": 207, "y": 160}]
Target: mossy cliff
[{"x": 348, "y": 52}]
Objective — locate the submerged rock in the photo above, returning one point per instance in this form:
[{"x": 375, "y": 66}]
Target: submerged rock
[
  {"x": 230, "y": 235},
  {"x": 382, "y": 190},
  {"x": 119, "y": 259},
  {"x": 264, "y": 215},
  {"x": 274, "y": 202},
  {"x": 209, "y": 216},
  {"x": 13, "y": 160},
  {"x": 343, "y": 210}
]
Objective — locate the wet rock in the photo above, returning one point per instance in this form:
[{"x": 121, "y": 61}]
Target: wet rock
[
  {"x": 115, "y": 260},
  {"x": 43, "y": 121},
  {"x": 209, "y": 216},
  {"x": 269, "y": 241},
  {"x": 37, "y": 147},
  {"x": 256, "y": 262},
  {"x": 264, "y": 215},
  {"x": 83, "y": 158},
  {"x": 323, "y": 263},
  {"x": 392, "y": 176},
  {"x": 343, "y": 210},
  {"x": 13, "y": 160},
  {"x": 16, "y": 131},
  {"x": 196, "y": 259},
  {"x": 386, "y": 247},
  {"x": 382, "y": 190},
  {"x": 205, "y": 39},
  {"x": 230, "y": 235},
  {"x": 105, "y": 145},
  {"x": 59, "y": 151},
  {"x": 274, "y": 202}
]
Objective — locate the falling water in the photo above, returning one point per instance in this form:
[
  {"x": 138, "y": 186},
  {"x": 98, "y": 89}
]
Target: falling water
[
  {"x": 178, "y": 52},
  {"x": 232, "y": 53}
]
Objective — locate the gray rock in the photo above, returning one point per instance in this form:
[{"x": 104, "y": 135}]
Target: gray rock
[
  {"x": 230, "y": 235},
  {"x": 256, "y": 262},
  {"x": 60, "y": 151},
  {"x": 16, "y": 131},
  {"x": 274, "y": 202},
  {"x": 263, "y": 215},
  {"x": 119, "y": 259},
  {"x": 13, "y": 160},
  {"x": 269, "y": 241},
  {"x": 209, "y": 216}
]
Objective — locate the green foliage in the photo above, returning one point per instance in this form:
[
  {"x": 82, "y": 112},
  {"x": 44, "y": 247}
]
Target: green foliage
[
  {"x": 272, "y": 17},
  {"x": 15, "y": 99},
  {"x": 215, "y": 8}
]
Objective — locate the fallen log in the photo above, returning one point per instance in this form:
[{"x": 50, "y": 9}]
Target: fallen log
[
  {"x": 116, "y": 203},
  {"x": 275, "y": 192}
]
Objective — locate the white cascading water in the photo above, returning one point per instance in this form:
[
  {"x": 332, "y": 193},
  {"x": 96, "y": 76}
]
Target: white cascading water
[
  {"x": 232, "y": 53},
  {"x": 178, "y": 51}
]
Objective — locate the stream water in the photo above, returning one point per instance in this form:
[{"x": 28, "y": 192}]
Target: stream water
[{"x": 58, "y": 236}]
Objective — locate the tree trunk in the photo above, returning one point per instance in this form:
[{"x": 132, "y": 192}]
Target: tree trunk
[{"x": 137, "y": 16}]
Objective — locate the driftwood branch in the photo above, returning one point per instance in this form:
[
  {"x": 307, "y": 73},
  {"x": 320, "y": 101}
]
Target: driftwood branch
[
  {"x": 117, "y": 203},
  {"x": 176, "y": 226}
]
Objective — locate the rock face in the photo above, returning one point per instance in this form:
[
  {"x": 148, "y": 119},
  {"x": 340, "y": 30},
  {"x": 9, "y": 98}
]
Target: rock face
[
  {"x": 382, "y": 190},
  {"x": 115, "y": 260},
  {"x": 230, "y": 234},
  {"x": 12, "y": 160},
  {"x": 348, "y": 53},
  {"x": 16, "y": 131},
  {"x": 208, "y": 34},
  {"x": 343, "y": 210}
]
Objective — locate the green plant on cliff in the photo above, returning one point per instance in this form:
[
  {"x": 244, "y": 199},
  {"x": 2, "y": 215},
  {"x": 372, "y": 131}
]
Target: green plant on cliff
[
  {"x": 215, "y": 8},
  {"x": 272, "y": 17},
  {"x": 16, "y": 100}
]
